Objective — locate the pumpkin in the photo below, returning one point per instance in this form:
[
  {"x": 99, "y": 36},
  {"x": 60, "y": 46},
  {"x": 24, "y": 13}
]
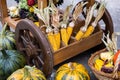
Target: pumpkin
[
  {"x": 10, "y": 60},
  {"x": 72, "y": 71},
  {"x": 7, "y": 40},
  {"x": 27, "y": 73}
]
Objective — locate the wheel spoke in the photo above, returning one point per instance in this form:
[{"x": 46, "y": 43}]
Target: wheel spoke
[
  {"x": 24, "y": 40},
  {"x": 36, "y": 63},
  {"x": 22, "y": 49},
  {"x": 38, "y": 50},
  {"x": 28, "y": 36},
  {"x": 40, "y": 60}
]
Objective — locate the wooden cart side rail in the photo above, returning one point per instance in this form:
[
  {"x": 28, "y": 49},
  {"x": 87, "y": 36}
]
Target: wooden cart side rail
[
  {"x": 3, "y": 10},
  {"x": 4, "y": 17},
  {"x": 76, "y": 48}
]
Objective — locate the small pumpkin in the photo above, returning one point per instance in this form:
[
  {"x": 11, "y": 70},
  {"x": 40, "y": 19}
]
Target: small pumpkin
[
  {"x": 72, "y": 71},
  {"x": 27, "y": 73},
  {"x": 7, "y": 40},
  {"x": 10, "y": 60}
]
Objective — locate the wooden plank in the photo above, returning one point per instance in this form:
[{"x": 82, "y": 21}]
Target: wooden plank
[
  {"x": 44, "y": 3},
  {"x": 77, "y": 47},
  {"x": 12, "y": 22},
  {"x": 3, "y": 10}
]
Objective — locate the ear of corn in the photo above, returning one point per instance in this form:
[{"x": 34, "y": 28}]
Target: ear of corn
[
  {"x": 79, "y": 35},
  {"x": 88, "y": 32},
  {"x": 98, "y": 17},
  {"x": 57, "y": 38},
  {"x": 64, "y": 36},
  {"x": 70, "y": 29},
  {"x": 52, "y": 41},
  {"x": 83, "y": 29},
  {"x": 37, "y": 24}
]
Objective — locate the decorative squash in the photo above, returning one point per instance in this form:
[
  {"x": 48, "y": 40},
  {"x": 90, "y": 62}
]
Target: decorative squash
[
  {"x": 72, "y": 71},
  {"x": 27, "y": 73},
  {"x": 7, "y": 40},
  {"x": 116, "y": 56},
  {"x": 10, "y": 60}
]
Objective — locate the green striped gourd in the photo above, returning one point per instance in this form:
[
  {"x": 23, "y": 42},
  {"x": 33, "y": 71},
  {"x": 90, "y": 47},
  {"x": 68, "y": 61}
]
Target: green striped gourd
[
  {"x": 27, "y": 73},
  {"x": 7, "y": 40},
  {"x": 10, "y": 60},
  {"x": 72, "y": 71}
]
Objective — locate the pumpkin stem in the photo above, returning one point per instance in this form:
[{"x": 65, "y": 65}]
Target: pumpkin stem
[
  {"x": 70, "y": 64},
  {"x": 5, "y": 55},
  {"x": 26, "y": 72},
  {"x": 4, "y": 29}
]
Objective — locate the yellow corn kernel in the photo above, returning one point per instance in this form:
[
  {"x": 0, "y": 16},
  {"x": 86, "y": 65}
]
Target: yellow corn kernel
[
  {"x": 64, "y": 36},
  {"x": 88, "y": 32},
  {"x": 57, "y": 38},
  {"x": 52, "y": 41},
  {"x": 79, "y": 35},
  {"x": 70, "y": 29},
  {"x": 36, "y": 23}
]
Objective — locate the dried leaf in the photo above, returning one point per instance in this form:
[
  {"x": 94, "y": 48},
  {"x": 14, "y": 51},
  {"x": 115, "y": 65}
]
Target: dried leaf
[
  {"x": 78, "y": 10},
  {"x": 111, "y": 44},
  {"x": 66, "y": 14},
  {"x": 100, "y": 12}
]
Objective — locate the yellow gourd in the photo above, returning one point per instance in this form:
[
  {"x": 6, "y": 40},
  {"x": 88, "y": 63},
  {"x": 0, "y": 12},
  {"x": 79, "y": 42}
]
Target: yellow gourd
[
  {"x": 98, "y": 64},
  {"x": 27, "y": 73},
  {"x": 72, "y": 71}
]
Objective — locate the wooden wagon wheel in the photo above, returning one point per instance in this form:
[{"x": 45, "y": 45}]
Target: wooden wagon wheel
[
  {"x": 32, "y": 42},
  {"x": 106, "y": 18}
]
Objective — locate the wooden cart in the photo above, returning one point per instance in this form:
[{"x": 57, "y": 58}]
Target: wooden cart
[{"x": 33, "y": 43}]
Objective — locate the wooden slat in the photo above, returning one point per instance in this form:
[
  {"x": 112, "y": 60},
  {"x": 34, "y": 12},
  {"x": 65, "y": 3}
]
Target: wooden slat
[
  {"x": 90, "y": 3},
  {"x": 44, "y": 3},
  {"x": 3, "y": 10},
  {"x": 4, "y": 15},
  {"x": 12, "y": 22},
  {"x": 77, "y": 47}
]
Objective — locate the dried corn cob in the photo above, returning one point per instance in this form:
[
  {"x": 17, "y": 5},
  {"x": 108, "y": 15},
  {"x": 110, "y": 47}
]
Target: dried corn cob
[
  {"x": 55, "y": 23},
  {"x": 99, "y": 15},
  {"x": 88, "y": 32},
  {"x": 51, "y": 38},
  {"x": 63, "y": 30},
  {"x": 57, "y": 38},
  {"x": 83, "y": 29},
  {"x": 76, "y": 13},
  {"x": 64, "y": 35},
  {"x": 70, "y": 29},
  {"x": 79, "y": 35},
  {"x": 52, "y": 41},
  {"x": 44, "y": 15}
]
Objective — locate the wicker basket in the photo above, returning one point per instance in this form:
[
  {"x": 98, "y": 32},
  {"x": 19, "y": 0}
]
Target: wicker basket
[{"x": 99, "y": 74}]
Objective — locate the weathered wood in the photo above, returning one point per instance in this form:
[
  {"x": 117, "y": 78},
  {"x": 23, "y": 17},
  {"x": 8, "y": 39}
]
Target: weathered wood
[
  {"x": 65, "y": 52},
  {"x": 90, "y": 3},
  {"x": 12, "y": 22},
  {"x": 34, "y": 45},
  {"x": 44, "y": 3},
  {"x": 78, "y": 47},
  {"x": 3, "y": 10}
]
